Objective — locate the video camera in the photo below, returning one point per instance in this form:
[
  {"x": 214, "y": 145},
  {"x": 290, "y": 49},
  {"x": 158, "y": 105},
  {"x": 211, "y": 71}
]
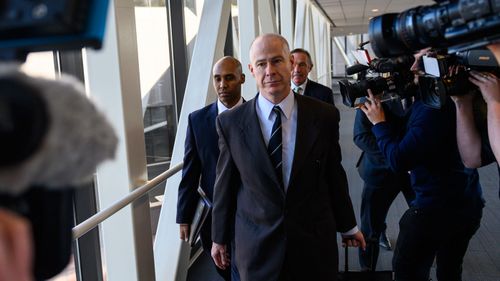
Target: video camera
[
  {"x": 398, "y": 83},
  {"x": 447, "y": 75},
  {"x": 52, "y": 136},
  {"x": 457, "y": 25}
]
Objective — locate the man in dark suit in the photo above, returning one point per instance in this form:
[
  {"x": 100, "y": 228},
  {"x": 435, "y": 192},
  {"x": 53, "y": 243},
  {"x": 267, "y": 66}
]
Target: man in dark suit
[
  {"x": 381, "y": 184},
  {"x": 280, "y": 182},
  {"x": 201, "y": 150},
  {"x": 302, "y": 65}
]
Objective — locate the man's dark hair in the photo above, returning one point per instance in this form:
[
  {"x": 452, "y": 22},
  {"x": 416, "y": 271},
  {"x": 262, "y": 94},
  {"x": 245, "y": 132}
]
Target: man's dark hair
[{"x": 300, "y": 50}]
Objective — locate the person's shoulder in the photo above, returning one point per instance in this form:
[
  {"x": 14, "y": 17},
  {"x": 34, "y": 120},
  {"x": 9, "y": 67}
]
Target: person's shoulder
[
  {"x": 318, "y": 86},
  {"x": 419, "y": 107},
  {"x": 317, "y": 106},
  {"x": 429, "y": 116},
  {"x": 237, "y": 112},
  {"x": 204, "y": 112}
]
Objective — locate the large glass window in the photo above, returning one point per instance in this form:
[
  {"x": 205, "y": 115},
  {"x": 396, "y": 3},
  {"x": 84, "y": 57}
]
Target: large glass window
[
  {"x": 235, "y": 28},
  {"x": 192, "y": 16},
  {"x": 157, "y": 92},
  {"x": 40, "y": 64},
  {"x": 348, "y": 44},
  {"x": 338, "y": 62},
  {"x": 158, "y": 100}
]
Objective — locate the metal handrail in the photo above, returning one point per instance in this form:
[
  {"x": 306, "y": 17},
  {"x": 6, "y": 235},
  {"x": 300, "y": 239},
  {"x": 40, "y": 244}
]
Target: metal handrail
[{"x": 99, "y": 217}]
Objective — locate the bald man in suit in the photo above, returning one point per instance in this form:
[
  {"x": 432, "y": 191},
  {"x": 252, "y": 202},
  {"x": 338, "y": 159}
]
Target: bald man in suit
[
  {"x": 279, "y": 179},
  {"x": 201, "y": 151}
]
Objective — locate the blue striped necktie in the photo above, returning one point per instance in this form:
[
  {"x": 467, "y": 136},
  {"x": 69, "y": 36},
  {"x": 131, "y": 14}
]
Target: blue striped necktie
[{"x": 274, "y": 147}]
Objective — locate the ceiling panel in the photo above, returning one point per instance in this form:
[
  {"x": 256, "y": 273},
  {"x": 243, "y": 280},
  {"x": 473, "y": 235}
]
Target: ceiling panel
[{"x": 355, "y": 14}]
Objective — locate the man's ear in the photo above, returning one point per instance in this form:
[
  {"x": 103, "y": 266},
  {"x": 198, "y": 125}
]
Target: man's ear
[{"x": 242, "y": 78}]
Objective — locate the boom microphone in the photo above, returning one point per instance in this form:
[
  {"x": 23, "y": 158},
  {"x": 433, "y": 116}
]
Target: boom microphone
[
  {"x": 356, "y": 69},
  {"x": 51, "y": 134}
]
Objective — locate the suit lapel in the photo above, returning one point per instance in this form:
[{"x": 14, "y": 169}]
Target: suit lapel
[
  {"x": 252, "y": 137},
  {"x": 211, "y": 130},
  {"x": 309, "y": 88},
  {"x": 307, "y": 134}
]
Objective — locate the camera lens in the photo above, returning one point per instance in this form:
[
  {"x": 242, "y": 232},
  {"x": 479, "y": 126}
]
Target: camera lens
[
  {"x": 351, "y": 91},
  {"x": 456, "y": 25}
]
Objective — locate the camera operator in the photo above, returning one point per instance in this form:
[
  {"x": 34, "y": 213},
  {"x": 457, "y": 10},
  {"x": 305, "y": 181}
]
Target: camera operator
[
  {"x": 448, "y": 206},
  {"x": 381, "y": 184},
  {"x": 476, "y": 139}
]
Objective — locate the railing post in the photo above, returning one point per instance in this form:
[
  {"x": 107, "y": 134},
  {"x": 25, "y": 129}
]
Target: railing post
[{"x": 113, "y": 78}]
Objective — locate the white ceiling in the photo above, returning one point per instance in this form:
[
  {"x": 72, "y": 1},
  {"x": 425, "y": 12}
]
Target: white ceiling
[{"x": 352, "y": 16}]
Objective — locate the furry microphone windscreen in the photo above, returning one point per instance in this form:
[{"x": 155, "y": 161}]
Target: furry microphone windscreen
[{"x": 77, "y": 136}]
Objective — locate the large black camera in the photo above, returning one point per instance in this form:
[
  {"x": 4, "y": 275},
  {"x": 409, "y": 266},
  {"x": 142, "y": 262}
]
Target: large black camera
[
  {"x": 398, "y": 82},
  {"x": 456, "y": 25},
  {"x": 448, "y": 75}
]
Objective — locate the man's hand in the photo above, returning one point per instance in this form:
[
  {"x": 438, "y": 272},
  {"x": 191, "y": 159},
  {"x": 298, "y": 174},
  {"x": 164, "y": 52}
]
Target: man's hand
[
  {"x": 373, "y": 109},
  {"x": 184, "y": 231},
  {"x": 489, "y": 85},
  {"x": 355, "y": 240},
  {"x": 220, "y": 255},
  {"x": 16, "y": 249}
]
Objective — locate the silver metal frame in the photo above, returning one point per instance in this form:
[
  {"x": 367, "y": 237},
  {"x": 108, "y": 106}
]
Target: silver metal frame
[{"x": 95, "y": 220}]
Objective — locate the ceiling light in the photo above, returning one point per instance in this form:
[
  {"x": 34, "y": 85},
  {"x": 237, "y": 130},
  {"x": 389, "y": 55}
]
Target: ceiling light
[{"x": 374, "y": 10}]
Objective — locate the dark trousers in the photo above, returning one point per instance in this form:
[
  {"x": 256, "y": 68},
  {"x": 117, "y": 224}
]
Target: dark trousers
[
  {"x": 224, "y": 273},
  {"x": 375, "y": 204},
  {"x": 428, "y": 234}
]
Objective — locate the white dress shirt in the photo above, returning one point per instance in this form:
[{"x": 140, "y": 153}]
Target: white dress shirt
[
  {"x": 266, "y": 116},
  {"x": 301, "y": 86},
  {"x": 221, "y": 107}
]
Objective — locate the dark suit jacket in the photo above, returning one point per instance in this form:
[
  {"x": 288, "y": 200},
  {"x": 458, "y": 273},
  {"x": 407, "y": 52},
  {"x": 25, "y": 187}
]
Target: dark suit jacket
[
  {"x": 295, "y": 231},
  {"x": 200, "y": 159},
  {"x": 319, "y": 92}
]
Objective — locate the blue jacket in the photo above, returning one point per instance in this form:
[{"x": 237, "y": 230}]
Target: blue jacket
[
  {"x": 200, "y": 160},
  {"x": 429, "y": 151}
]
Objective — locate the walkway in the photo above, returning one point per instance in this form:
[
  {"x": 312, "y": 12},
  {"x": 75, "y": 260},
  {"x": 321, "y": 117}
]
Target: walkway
[{"x": 482, "y": 262}]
